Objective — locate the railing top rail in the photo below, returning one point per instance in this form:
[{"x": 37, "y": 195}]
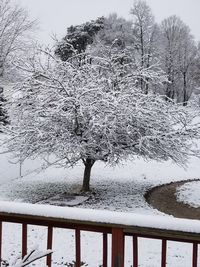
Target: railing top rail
[{"x": 100, "y": 220}]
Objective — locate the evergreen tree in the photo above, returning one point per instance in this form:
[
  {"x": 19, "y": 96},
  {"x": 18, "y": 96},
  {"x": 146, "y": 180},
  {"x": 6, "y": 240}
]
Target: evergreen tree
[
  {"x": 3, "y": 112},
  {"x": 78, "y": 37}
]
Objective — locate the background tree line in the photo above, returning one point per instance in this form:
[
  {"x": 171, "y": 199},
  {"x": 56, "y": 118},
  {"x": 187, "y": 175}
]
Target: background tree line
[{"x": 168, "y": 45}]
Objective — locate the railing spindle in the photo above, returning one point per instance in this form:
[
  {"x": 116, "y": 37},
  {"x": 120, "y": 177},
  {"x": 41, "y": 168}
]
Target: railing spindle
[
  {"x": 0, "y": 240},
  {"x": 117, "y": 247},
  {"x": 164, "y": 253},
  {"x": 24, "y": 239},
  {"x": 135, "y": 251},
  {"x": 78, "y": 247},
  {"x": 49, "y": 244},
  {"x": 105, "y": 249},
  {"x": 195, "y": 254}
]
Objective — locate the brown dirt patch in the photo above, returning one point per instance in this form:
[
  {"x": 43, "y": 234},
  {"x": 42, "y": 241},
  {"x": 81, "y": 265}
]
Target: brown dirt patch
[{"x": 163, "y": 198}]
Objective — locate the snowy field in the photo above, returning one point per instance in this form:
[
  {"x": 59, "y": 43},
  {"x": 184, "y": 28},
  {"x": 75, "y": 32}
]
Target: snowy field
[{"x": 119, "y": 188}]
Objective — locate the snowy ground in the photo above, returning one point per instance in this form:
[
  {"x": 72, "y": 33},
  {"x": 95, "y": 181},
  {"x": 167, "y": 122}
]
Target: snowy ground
[
  {"x": 119, "y": 188},
  {"x": 189, "y": 193}
]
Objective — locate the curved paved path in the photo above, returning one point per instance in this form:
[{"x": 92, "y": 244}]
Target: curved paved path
[{"x": 163, "y": 198}]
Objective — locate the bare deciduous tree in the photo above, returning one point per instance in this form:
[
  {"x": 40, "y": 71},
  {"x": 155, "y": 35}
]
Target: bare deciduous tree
[
  {"x": 179, "y": 52},
  {"x": 145, "y": 34},
  {"x": 15, "y": 25},
  {"x": 187, "y": 65}
]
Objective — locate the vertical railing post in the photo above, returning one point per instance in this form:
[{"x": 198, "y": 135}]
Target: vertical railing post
[
  {"x": 117, "y": 247},
  {"x": 24, "y": 239},
  {"x": 164, "y": 253},
  {"x": 135, "y": 251},
  {"x": 78, "y": 247},
  {"x": 49, "y": 244},
  {"x": 195, "y": 254},
  {"x": 105, "y": 249},
  {"x": 0, "y": 240}
]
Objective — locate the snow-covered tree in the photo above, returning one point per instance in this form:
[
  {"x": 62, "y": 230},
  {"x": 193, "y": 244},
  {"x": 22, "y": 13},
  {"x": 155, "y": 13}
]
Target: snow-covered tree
[
  {"x": 15, "y": 27},
  {"x": 178, "y": 53},
  {"x": 117, "y": 33},
  {"x": 115, "y": 29},
  {"x": 77, "y": 38},
  {"x": 187, "y": 66},
  {"x": 197, "y": 68},
  {"x": 95, "y": 111},
  {"x": 3, "y": 112},
  {"x": 145, "y": 35}
]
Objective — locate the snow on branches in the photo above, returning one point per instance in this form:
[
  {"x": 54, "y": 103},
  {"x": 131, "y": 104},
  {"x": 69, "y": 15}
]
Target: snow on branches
[
  {"x": 32, "y": 256},
  {"x": 91, "y": 108}
]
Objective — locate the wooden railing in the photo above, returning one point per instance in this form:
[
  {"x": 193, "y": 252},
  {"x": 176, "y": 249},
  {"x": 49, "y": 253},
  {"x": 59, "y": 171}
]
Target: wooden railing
[{"x": 112, "y": 226}]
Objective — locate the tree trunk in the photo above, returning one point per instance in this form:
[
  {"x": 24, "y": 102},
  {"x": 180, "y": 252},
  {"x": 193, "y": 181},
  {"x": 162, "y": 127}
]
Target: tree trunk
[
  {"x": 142, "y": 55},
  {"x": 185, "y": 98},
  {"x": 87, "y": 172}
]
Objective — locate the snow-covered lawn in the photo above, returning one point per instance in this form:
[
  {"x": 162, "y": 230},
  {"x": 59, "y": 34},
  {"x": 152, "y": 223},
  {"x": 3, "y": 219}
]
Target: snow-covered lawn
[
  {"x": 115, "y": 188},
  {"x": 189, "y": 193},
  {"x": 119, "y": 188}
]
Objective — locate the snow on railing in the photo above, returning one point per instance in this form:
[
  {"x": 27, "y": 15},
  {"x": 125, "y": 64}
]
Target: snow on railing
[
  {"x": 117, "y": 224},
  {"x": 101, "y": 216}
]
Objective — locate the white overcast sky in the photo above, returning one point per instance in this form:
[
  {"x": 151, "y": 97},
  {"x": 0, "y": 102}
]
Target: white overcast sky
[{"x": 55, "y": 16}]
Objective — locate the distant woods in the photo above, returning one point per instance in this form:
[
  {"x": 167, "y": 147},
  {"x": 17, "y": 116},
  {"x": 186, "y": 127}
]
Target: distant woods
[{"x": 168, "y": 45}]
